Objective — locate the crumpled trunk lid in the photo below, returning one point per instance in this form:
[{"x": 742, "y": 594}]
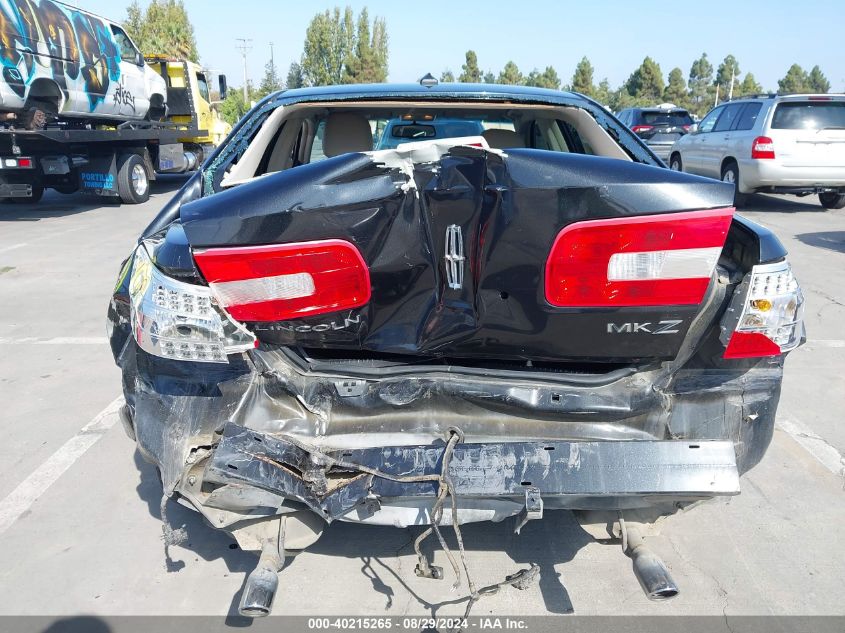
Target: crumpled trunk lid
[{"x": 495, "y": 216}]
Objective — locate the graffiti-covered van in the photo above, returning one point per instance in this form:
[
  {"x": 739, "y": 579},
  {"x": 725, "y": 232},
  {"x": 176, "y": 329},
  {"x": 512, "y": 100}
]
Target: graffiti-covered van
[{"x": 59, "y": 60}]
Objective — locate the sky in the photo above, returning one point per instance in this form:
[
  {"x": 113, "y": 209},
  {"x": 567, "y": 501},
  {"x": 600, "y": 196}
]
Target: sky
[{"x": 766, "y": 37}]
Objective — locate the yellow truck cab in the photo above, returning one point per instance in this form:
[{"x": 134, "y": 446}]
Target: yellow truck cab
[{"x": 189, "y": 101}]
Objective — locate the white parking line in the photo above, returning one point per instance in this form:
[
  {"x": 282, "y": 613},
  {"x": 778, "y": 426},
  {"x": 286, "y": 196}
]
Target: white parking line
[
  {"x": 814, "y": 444},
  {"x": 30, "y": 489},
  {"x": 58, "y": 340},
  {"x": 13, "y": 247},
  {"x": 823, "y": 343}
]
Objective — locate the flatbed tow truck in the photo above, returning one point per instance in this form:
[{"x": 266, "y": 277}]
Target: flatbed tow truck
[{"x": 116, "y": 161}]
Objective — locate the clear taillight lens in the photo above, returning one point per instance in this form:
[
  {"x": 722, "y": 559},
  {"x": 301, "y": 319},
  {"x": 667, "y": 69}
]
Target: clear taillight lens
[
  {"x": 765, "y": 317},
  {"x": 181, "y": 321}
]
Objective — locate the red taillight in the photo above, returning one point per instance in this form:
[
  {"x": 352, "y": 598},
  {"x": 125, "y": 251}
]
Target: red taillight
[
  {"x": 286, "y": 281},
  {"x": 751, "y": 345},
  {"x": 25, "y": 162},
  {"x": 820, "y": 98},
  {"x": 763, "y": 147},
  {"x": 665, "y": 259},
  {"x": 641, "y": 128},
  {"x": 686, "y": 127}
]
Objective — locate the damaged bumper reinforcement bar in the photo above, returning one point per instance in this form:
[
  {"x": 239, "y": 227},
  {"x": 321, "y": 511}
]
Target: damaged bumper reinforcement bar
[{"x": 333, "y": 482}]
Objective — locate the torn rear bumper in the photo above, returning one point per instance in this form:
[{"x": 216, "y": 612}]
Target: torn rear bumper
[{"x": 355, "y": 483}]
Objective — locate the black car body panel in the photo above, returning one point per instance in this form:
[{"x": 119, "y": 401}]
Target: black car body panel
[
  {"x": 334, "y": 415},
  {"x": 509, "y": 215}
]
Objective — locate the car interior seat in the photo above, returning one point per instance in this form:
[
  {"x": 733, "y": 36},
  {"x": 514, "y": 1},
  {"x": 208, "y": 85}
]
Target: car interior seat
[
  {"x": 346, "y": 132},
  {"x": 502, "y": 139}
]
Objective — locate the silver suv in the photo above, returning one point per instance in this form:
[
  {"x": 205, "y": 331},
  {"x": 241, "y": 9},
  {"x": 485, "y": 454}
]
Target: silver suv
[{"x": 773, "y": 144}]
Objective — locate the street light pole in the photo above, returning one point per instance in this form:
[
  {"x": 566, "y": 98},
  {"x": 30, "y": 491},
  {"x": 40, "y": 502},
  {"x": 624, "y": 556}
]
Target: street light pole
[{"x": 244, "y": 47}]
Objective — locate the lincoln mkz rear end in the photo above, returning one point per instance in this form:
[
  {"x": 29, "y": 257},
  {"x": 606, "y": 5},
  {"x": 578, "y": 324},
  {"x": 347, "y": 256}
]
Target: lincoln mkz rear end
[{"x": 537, "y": 318}]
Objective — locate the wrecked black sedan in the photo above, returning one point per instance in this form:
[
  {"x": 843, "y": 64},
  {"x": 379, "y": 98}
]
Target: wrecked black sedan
[{"x": 536, "y": 317}]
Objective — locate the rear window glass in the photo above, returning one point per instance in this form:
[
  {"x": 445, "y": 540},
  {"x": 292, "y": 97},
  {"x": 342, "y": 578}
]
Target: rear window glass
[
  {"x": 813, "y": 115},
  {"x": 666, "y": 118},
  {"x": 405, "y": 131}
]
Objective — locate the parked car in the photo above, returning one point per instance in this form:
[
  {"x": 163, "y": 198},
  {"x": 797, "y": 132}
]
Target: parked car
[
  {"x": 62, "y": 61},
  {"x": 772, "y": 144},
  {"x": 659, "y": 126},
  {"x": 540, "y": 317},
  {"x": 409, "y": 129}
]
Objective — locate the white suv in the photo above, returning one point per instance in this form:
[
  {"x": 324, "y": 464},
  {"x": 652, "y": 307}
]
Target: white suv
[{"x": 775, "y": 144}]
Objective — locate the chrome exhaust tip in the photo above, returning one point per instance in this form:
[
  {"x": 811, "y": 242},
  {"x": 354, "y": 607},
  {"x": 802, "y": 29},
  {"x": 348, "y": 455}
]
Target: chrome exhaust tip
[
  {"x": 259, "y": 591},
  {"x": 654, "y": 578},
  {"x": 261, "y": 584},
  {"x": 649, "y": 568}
]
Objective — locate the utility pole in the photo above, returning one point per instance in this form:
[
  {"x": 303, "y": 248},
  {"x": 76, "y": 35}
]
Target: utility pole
[
  {"x": 272, "y": 63},
  {"x": 733, "y": 75},
  {"x": 244, "y": 47}
]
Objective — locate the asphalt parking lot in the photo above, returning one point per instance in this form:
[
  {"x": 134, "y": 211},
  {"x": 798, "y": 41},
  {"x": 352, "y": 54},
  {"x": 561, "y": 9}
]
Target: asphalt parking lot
[{"x": 80, "y": 528}]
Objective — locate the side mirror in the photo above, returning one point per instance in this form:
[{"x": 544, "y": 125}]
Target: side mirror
[
  {"x": 224, "y": 89},
  {"x": 139, "y": 59},
  {"x": 693, "y": 129}
]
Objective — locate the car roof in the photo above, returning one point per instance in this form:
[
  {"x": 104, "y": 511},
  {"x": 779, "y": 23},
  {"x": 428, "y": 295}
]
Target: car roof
[
  {"x": 441, "y": 91},
  {"x": 830, "y": 96}
]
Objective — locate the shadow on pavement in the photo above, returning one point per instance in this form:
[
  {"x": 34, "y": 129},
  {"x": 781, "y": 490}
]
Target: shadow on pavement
[
  {"x": 57, "y": 205},
  {"x": 79, "y": 624},
  {"x": 830, "y": 240},
  {"x": 551, "y": 541},
  {"x": 782, "y": 204}
]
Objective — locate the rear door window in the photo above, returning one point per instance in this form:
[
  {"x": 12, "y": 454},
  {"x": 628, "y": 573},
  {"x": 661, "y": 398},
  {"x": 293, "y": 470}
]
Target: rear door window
[
  {"x": 812, "y": 115},
  {"x": 748, "y": 117},
  {"x": 729, "y": 116}
]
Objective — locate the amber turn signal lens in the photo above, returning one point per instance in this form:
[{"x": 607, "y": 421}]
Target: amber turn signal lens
[{"x": 763, "y": 305}]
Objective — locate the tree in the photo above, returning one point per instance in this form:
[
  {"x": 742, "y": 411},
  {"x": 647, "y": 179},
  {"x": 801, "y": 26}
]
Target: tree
[
  {"x": 817, "y": 82},
  {"x": 489, "y": 77},
  {"x": 727, "y": 72},
  {"x": 367, "y": 58},
  {"x": 447, "y": 77},
  {"x": 646, "y": 82},
  {"x": 603, "y": 94},
  {"x": 676, "y": 88},
  {"x": 582, "y": 79},
  {"x": 234, "y": 106},
  {"x": 164, "y": 28},
  {"x": 271, "y": 82},
  {"x": 295, "y": 78},
  {"x": 549, "y": 79},
  {"x": 795, "y": 81},
  {"x": 325, "y": 50},
  {"x": 471, "y": 72},
  {"x": 700, "y": 85},
  {"x": 339, "y": 50},
  {"x": 546, "y": 79},
  {"x": 134, "y": 21},
  {"x": 511, "y": 75},
  {"x": 749, "y": 86}
]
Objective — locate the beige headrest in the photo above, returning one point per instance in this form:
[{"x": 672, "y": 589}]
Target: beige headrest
[
  {"x": 346, "y": 132},
  {"x": 502, "y": 139}
]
